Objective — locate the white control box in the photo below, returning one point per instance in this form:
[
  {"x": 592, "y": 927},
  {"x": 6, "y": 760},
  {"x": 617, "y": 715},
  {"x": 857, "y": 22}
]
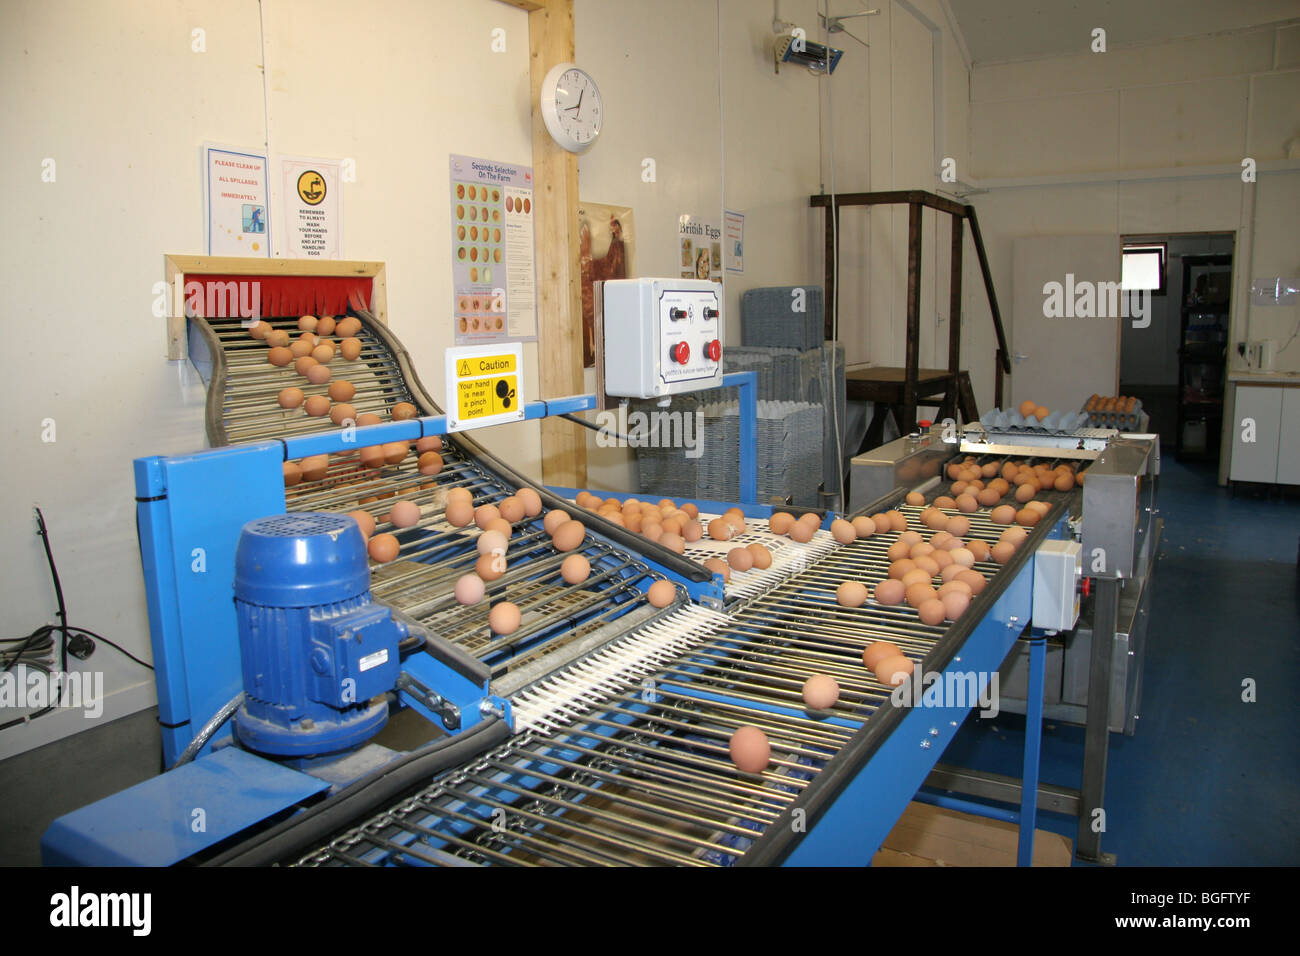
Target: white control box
[
  {"x": 662, "y": 336},
  {"x": 1058, "y": 570}
]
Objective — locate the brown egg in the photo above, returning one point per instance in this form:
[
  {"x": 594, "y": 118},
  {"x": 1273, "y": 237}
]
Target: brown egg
[
  {"x": 920, "y": 549},
  {"x": 897, "y": 520},
  {"x": 459, "y": 513},
  {"x": 1028, "y": 517},
  {"x": 882, "y": 522},
  {"x": 928, "y": 564},
  {"x": 943, "y": 501},
  {"x": 569, "y": 536},
  {"x": 918, "y": 594},
  {"x": 933, "y": 518},
  {"x": 821, "y": 692},
  {"x": 899, "y": 550},
  {"x": 673, "y": 542},
  {"x": 1027, "y": 408},
  {"x": 368, "y": 418},
  {"x": 740, "y": 559},
  {"x": 720, "y": 529},
  {"x": 1002, "y": 552},
  {"x": 931, "y": 612},
  {"x": 323, "y": 353},
  {"x": 504, "y": 618},
  {"x": 954, "y": 604},
  {"x": 279, "y": 356},
  {"x": 342, "y": 413},
  {"x": 942, "y": 558},
  {"x": 342, "y": 391},
  {"x": 851, "y": 594},
  {"x": 1004, "y": 514},
  {"x": 878, "y": 651},
  {"x": 469, "y": 589},
  {"x": 900, "y": 567},
  {"x": 843, "y": 532},
  {"x": 1041, "y": 412},
  {"x": 963, "y": 556},
  {"x": 864, "y": 526},
  {"x": 890, "y": 592},
  {"x": 383, "y": 548},
  {"x": 673, "y": 526},
  {"x": 735, "y": 519},
  {"x": 307, "y": 323},
  {"x": 299, "y": 349},
  {"x": 718, "y": 566},
  {"x": 989, "y": 497},
  {"x": 1015, "y": 536},
  {"x": 485, "y": 513},
  {"x": 892, "y": 671},
  {"x": 955, "y": 585},
  {"x": 1000, "y": 485},
  {"x": 917, "y": 575},
  {"x": 976, "y": 580},
  {"x": 661, "y": 593},
  {"x": 325, "y": 325},
  {"x": 292, "y": 473},
  {"x": 277, "y": 338},
  {"x": 958, "y": 526},
  {"x": 490, "y": 566},
  {"x": 350, "y": 349},
  {"x": 347, "y": 326},
  {"x": 318, "y": 374},
  {"x": 953, "y": 470},
  {"x": 372, "y": 456},
  {"x": 958, "y": 488},
  {"x": 575, "y": 569},
  {"x": 1042, "y": 507},
  {"x": 430, "y": 463},
  {"x": 762, "y": 557},
  {"x": 259, "y": 330},
  {"x": 967, "y": 504},
  {"x": 692, "y": 530},
  {"x": 404, "y": 514},
  {"x": 303, "y": 364},
  {"x": 978, "y": 548},
  {"x": 314, "y": 467},
  {"x": 554, "y": 519},
  {"x": 531, "y": 500},
  {"x": 511, "y": 508},
  {"x": 395, "y": 452},
  {"x": 403, "y": 411},
  {"x": 290, "y": 397},
  {"x": 750, "y": 750},
  {"x": 915, "y": 498}
]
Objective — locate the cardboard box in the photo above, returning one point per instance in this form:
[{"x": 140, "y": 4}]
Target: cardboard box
[{"x": 931, "y": 836}]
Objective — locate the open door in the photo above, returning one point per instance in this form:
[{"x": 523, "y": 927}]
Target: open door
[{"x": 1065, "y": 315}]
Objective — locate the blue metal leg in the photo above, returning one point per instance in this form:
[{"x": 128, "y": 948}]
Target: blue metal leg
[
  {"x": 1033, "y": 748},
  {"x": 747, "y": 383}
]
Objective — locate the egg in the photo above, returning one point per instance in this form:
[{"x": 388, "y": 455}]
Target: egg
[
  {"x": 1040, "y": 412},
  {"x": 1004, "y": 514},
  {"x": 692, "y": 530},
  {"x": 928, "y": 564},
  {"x": 279, "y": 356},
  {"x": 341, "y": 391},
  {"x": 899, "y": 549},
  {"x": 259, "y": 330},
  {"x": 978, "y": 548},
  {"x": 383, "y": 548},
  {"x": 1028, "y": 517},
  {"x": 1025, "y": 493},
  {"x": 967, "y": 504},
  {"x": 963, "y": 556},
  {"x": 673, "y": 542},
  {"x": 350, "y": 348},
  {"x": 957, "y": 526},
  {"x": 661, "y": 593},
  {"x": 1042, "y": 507},
  {"x": 299, "y": 349},
  {"x": 952, "y": 543},
  {"x": 489, "y": 567},
  {"x": 878, "y": 651},
  {"x": 403, "y": 411},
  {"x": 900, "y": 567},
  {"x": 1027, "y": 408},
  {"x": 290, "y": 397},
  {"x": 821, "y": 692},
  {"x": 911, "y": 537},
  {"x": 976, "y": 580},
  {"x": 864, "y": 526},
  {"x": 1002, "y": 552},
  {"x": 396, "y": 451},
  {"x": 750, "y": 750},
  {"x": 737, "y": 520},
  {"x": 942, "y": 558},
  {"x": 958, "y": 487},
  {"x": 920, "y": 549},
  {"x": 569, "y": 536},
  {"x": 1015, "y": 536},
  {"x": 485, "y": 513},
  {"x": 318, "y": 374},
  {"x": 554, "y": 519},
  {"x": 651, "y": 531},
  {"x": 404, "y": 514},
  {"x": 890, "y": 592},
  {"x": 762, "y": 557},
  {"x": 897, "y": 520},
  {"x": 740, "y": 559},
  {"x": 531, "y": 500},
  {"x": 851, "y": 594},
  {"x": 917, "y": 575},
  {"x": 917, "y": 594},
  {"x": 372, "y": 456},
  {"x": 954, "y": 585},
  {"x": 325, "y": 325},
  {"x": 365, "y": 520},
  {"x": 347, "y": 326},
  {"x": 307, "y": 323},
  {"x": 303, "y": 364},
  {"x": 721, "y": 530},
  {"x": 954, "y": 604},
  {"x": 915, "y": 498},
  {"x": 277, "y": 338},
  {"x": 314, "y": 467},
  {"x": 931, "y": 612},
  {"x": 718, "y": 566},
  {"x": 892, "y": 671},
  {"x": 989, "y": 497},
  {"x": 802, "y": 532},
  {"x": 342, "y": 413},
  {"x": 323, "y": 353},
  {"x": 430, "y": 463},
  {"x": 369, "y": 418},
  {"x": 673, "y": 526},
  {"x": 504, "y": 618},
  {"x": 292, "y": 473},
  {"x": 492, "y": 542},
  {"x": 842, "y": 531}
]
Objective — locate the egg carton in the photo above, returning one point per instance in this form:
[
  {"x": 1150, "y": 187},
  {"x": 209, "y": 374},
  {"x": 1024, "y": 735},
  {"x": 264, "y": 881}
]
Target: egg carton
[
  {"x": 767, "y": 317},
  {"x": 1010, "y": 420},
  {"x": 1134, "y": 421}
]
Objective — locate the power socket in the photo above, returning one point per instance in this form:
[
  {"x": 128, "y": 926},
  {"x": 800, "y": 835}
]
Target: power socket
[{"x": 80, "y": 646}]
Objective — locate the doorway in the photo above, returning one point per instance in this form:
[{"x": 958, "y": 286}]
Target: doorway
[{"x": 1176, "y": 366}]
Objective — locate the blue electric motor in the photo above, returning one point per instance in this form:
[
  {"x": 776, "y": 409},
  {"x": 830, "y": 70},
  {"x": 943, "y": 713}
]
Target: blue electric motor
[{"x": 318, "y": 654}]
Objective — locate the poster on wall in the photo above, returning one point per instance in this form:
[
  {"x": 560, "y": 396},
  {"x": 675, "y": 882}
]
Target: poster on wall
[
  {"x": 606, "y": 239},
  {"x": 493, "y": 259},
  {"x": 701, "y": 246},
  {"x": 235, "y": 202},
  {"x": 733, "y": 243},
  {"x": 311, "y": 203}
]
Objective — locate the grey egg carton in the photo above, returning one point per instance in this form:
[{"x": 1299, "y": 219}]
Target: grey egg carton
[{"x": 1010, "y": 420}]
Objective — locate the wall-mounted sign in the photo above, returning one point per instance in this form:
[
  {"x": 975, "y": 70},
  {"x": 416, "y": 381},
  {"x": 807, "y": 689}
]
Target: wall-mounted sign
[
  {"x": 485, "y": 385},
  {"x": 236, "y": 210},
  {"x": 312, "y": 204}
]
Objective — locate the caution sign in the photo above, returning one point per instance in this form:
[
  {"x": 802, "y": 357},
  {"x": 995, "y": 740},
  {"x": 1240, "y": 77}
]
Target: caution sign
[{"x": 484, "y": 385}]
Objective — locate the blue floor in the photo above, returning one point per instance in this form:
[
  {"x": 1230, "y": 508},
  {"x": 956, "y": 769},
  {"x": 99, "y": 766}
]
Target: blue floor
[{"x": 1207, "y": 780}]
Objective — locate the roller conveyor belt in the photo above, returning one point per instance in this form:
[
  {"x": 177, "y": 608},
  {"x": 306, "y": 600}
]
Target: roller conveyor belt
[{"x": 621, "y": 753}]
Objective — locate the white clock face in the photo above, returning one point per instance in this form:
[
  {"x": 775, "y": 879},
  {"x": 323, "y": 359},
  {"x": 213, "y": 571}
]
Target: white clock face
[{"x": 572, "y": 108}]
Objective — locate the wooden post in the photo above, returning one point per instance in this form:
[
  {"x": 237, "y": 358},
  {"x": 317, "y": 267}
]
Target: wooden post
[
  {"x": 911, "y": 366},
  {"x": 555, "y": 203},
  {"x": 832, "y": 261}
]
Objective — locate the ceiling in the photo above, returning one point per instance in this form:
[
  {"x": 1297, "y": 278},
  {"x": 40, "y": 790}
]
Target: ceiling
[{"x": 997, "y": 30}]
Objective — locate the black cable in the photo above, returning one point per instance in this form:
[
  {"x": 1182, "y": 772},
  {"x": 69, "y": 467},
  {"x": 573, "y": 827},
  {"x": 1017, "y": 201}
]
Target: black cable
[
  {"x": 58, "y": 587},
  {"x": 596, "y": 428},
  {"x": 116, "y": 647}
]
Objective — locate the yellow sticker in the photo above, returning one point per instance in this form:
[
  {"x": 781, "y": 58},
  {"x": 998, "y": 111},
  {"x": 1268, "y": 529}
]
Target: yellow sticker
[
  {"x": 486, "y": 365},
  {"x": 483, "y": 397}
]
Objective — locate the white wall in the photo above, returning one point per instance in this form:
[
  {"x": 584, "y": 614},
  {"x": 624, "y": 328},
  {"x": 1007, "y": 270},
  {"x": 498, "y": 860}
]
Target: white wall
[{"x": 1140, "y": 141}]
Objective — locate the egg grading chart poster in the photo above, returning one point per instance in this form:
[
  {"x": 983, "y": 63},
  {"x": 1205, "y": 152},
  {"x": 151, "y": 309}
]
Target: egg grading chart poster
[
  {"x": 701, "y": 245},
  {"x": 235, "y": 207},
  {"x": 313, "y": 209},
  {"x": 493, "y": 259}
]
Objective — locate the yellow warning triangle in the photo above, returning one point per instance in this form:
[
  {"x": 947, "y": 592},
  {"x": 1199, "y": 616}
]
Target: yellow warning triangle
[{"x": 465, "y": 369}]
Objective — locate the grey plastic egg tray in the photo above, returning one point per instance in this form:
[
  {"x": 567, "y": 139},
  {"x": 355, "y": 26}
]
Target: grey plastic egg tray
[{"x": 1057, "y": 423}]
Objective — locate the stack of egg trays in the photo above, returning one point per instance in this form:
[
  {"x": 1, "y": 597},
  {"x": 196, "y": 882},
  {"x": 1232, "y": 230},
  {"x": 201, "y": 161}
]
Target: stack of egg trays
[
  {"x": 742, "y": 358},
  {"x": 662, "y": 469},
  {"x": 717, "y": 472},
  {"x": 833, "y": 419},
  {"x": 1008, "y": 419},
  {"x": 767, "y": 317}
]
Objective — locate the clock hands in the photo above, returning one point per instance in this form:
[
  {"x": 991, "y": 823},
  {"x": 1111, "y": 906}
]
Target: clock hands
[{"x": 578, "y": 105}]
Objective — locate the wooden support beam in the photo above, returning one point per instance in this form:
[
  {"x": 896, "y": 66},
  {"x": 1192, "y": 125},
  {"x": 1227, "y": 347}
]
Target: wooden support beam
[
  {"x": 832, "y": 262},
  {"x": 954, "y": 300},
  {"x": 891, "y": 197},
  {"x": 555, "y": 204}
]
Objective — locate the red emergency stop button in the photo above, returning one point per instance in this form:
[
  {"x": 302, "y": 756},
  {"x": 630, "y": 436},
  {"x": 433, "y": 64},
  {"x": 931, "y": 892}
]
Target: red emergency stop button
[
  {"x": 680, "y": 353},
  {"x": 714, "y": 350}
]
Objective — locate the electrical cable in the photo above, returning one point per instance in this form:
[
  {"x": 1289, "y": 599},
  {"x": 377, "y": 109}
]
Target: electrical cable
[
  {"x": 835, "y": 253},
  {"x": 44, "y": 534},
  {"x": 596, "y": 428},
  {"x": 211, "y": 727}
]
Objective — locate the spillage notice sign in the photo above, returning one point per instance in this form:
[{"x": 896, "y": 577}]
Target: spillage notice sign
[{"x": 484, "y": 385}]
